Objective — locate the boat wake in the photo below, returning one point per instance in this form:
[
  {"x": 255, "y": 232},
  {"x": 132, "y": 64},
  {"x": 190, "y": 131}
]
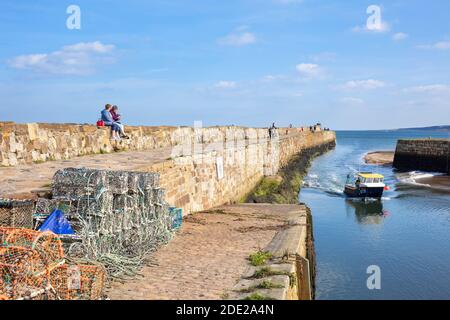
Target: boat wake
[
  {"x": 411, "y": 178},
  {"x": 420, "y": 180},
  {"x": 331, "y": 185}
]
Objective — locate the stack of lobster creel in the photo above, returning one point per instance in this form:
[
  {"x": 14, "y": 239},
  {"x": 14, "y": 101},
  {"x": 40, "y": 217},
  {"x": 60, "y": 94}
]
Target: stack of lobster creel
[{"x": 33, "y": 267}]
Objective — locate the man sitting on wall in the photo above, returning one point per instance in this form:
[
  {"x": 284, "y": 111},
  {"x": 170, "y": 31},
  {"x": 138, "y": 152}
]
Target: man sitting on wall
[{"x": 109, "y": 121}]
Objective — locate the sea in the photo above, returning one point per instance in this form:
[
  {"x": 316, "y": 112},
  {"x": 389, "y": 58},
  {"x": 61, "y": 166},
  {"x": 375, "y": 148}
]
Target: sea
[{"x": 396, "y": 248}]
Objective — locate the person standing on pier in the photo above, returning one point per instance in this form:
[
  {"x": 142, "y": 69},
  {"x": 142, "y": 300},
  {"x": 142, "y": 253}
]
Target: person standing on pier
[{"x": 272, "y": 131}]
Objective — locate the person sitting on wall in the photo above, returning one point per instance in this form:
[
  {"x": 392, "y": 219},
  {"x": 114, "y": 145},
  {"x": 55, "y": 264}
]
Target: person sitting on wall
[
  {"x": 117, "y": 119},
  {"x": 109, "y": 122}
]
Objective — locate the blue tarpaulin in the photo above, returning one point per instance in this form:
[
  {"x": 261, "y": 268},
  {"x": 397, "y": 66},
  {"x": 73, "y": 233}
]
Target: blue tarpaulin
[{"x": 57, "y": 223}]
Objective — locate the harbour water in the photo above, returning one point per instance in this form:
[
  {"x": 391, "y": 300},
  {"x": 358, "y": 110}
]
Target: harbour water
[{"x": 407, "y": 234}]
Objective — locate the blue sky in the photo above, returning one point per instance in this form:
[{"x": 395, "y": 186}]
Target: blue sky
[{"x": 247, "y": 62}]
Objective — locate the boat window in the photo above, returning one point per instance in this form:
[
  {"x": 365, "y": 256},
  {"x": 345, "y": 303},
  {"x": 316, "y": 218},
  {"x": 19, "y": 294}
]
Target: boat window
[{"x": 370, "y": 180}]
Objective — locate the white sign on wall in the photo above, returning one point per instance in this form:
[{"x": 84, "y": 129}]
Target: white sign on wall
[{"x": 219, "y": 166}]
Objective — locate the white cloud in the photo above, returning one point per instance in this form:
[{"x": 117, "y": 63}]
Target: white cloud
[
  {"x": 238, "y": 39},
  {"x": 353, "y": 101},
  {"x": 77, "y": 59},
  {"x": 442, "y": 45},
  {"x": 369, "y": 84},
  {"x": 399, "y": 36},
  {"x": 272, "y": 78},
  {"x": 309, "y": 70},
  {"x": 432, "y": 88},
  {"x": 225, "y": 84},
  {"x": 383, "y": 27}
]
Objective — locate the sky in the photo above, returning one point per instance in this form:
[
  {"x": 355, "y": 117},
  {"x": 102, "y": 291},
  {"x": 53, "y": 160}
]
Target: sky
[{"x": 234, "y": 62}]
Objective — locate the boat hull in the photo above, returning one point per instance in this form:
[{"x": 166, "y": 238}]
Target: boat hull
[{"x": 363, "y": 192}]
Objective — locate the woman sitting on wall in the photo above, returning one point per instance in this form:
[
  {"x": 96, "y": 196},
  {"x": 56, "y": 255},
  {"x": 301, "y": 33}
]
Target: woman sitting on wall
[
  {"x": 109, "y": 122},
  {"x": 117, "y": 119}
]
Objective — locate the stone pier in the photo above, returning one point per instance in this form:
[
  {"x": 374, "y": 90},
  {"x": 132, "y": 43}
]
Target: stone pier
[
  {"x": 205, "y": 171},
  {"x": 431, "y": 155},
  {"x": 200, "y": 168}
]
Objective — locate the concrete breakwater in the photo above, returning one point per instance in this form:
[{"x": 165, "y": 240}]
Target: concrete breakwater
[{"x": 431, "y": 155}]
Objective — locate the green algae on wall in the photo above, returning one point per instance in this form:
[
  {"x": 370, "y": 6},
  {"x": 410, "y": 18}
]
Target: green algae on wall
[{"x": 284, "y": 188}]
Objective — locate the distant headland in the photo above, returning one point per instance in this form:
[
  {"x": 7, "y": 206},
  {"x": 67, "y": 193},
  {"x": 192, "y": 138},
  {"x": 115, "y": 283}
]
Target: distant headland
[{"x": 433, "y": 128}]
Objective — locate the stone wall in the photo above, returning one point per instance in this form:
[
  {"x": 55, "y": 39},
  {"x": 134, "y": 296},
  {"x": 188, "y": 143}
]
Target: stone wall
[
  {"x": 193, "y": 183},
  {"x": 423, "y": 154},
  {"x": 207, "y": 167},
  {"x": 40, "y": 142}
]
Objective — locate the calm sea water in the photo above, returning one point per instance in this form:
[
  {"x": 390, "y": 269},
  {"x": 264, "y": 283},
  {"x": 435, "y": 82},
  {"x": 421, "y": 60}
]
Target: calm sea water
[{"x": 407, "y": 234}]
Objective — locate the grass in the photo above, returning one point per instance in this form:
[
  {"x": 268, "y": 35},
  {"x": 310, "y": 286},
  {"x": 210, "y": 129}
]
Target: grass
[
  {"x": 257, "y": 296},
  {"x": 259, "y": 258},
  {"x": 225, "y": 296},
  {"x": 265, "y": 285},
  {"x": 267, "y": 272}
]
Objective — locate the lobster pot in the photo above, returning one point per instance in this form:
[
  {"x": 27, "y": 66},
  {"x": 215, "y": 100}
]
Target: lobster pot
[
  {"x": 132, "y": 213},
  {"x": 147, "y": 199},
  {"x": 104, "y": 225},
  {"x": 47, "y": 206},
  {"x": 148, "y": 181},
  {"x": 17, "y": 214},
  {"x": 74, "y": 183},
  {"x": 118, "y": 182},
  {"x": 120, "y": 210},
  {"x": 176, "y": 214},
  {"x": 159, "y": 195},
  {"x": 133, "y": 182},
  {"x": 79, "y": 282},
  {"x": 46, "y": 243},
  {"x": 120, "y": 203},
  {"x": 44, "y": 207},
  {"x": 162, "y": 212},
  {"x": 94, "y": 206},
  {"x": 23, "y": 273}
]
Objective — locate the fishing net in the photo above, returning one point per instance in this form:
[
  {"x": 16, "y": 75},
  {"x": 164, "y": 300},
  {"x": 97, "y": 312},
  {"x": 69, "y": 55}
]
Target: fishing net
[
  {"x": 15, "y": 213},
  {"x": 119, "y": 217}
]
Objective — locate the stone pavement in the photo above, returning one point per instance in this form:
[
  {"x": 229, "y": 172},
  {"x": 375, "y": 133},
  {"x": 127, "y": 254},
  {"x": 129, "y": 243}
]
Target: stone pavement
[
  {"x": 20, "y": 181},
  {"x": 208, "y": 255}
]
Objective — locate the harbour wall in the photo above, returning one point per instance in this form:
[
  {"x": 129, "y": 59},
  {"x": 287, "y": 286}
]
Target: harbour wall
[
  {"x": 227, "y": 175},
  {"x": 204, "y": 168},
  {"x": 432, "y": 155}
]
